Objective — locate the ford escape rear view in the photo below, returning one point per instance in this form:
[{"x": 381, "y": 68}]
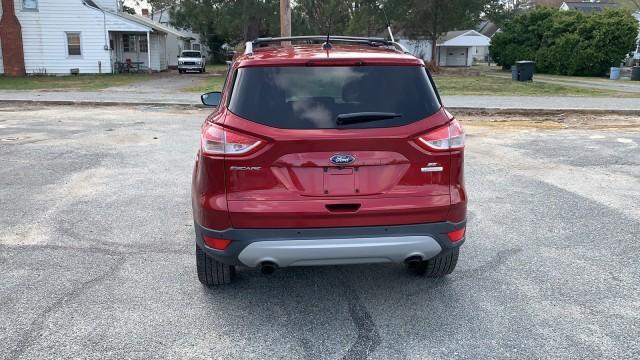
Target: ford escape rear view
[{"x": 328, "y": 155}]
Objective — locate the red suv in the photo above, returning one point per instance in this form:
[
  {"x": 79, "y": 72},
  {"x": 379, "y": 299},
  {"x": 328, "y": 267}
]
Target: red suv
[{"x": 327, "y": 154}]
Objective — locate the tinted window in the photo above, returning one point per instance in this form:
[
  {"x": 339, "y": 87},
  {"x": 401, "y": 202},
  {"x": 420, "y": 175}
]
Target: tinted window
[
  {"x": 190, "y": 54},
  {"x": 313, "y": 97}
]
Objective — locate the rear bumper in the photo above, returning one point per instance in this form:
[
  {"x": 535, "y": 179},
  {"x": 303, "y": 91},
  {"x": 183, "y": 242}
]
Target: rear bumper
[{"x": 331, "y": 246}]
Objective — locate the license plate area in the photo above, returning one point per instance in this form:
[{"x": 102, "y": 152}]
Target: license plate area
[{"x": 340, "y": 181}]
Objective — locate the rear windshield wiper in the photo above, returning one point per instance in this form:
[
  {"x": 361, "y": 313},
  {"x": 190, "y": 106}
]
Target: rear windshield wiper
[{"x": 362, "y": 117}]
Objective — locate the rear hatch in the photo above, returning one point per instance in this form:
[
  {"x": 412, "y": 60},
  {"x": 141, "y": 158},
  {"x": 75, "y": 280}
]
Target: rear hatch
[{"x": 333, "y": 147}]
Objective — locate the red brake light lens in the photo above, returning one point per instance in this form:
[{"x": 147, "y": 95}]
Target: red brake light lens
[
  {"x": 456, "y": 235},
  {"x": 215, "y": 243},
  {"x": 445, "y": 138},
  {"x": 217, "y": 140},
  {"x": 335, "y": 62}
]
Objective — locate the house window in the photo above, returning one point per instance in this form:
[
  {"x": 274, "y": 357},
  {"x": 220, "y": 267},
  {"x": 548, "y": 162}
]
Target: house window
[
  {"x": 73, "y": 44},
  {"x": 195, "y": 47},
  {"x": 126, "y": 45},
  {"x": 29, "y": 4},
  {"x": 144, "y": 47}
]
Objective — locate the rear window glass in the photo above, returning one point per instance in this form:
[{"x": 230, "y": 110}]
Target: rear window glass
[{"x": 309, "y": 97}]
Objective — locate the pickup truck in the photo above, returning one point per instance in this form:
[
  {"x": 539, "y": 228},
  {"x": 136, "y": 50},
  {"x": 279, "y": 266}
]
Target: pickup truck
[{"x": 191, "y": 60}]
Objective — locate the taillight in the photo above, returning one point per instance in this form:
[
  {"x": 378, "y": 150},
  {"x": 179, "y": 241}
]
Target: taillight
[
  {"x": 216, "y": 243},
  {"x": 445, "y": 138},
  {"x": 335, "y": 62},
  {"x": 457, "y": 235},
  {"x": 217, "y": 140}
]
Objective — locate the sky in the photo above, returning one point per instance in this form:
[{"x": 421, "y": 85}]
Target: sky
[{"x": 136, "y": 4}]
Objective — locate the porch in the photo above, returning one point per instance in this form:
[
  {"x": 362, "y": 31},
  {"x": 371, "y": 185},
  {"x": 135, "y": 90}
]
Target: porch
[{"x": 138, "y": 51}]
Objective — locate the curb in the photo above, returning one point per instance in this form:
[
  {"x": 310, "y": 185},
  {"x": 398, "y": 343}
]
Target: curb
[
  {"x": 453, "y": 109},
  {"x": 97, "y": 103},
  {"x": 538, "y": 111}
]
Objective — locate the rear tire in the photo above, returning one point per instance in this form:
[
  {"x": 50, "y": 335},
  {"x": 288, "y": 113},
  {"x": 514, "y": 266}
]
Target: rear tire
[
  {"x": 212, "y": 272},
  {"x": 439, "y": 266}
]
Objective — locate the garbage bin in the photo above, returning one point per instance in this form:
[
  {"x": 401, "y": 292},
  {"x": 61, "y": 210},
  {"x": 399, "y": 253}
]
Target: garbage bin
[
  {"x": 523, "y": 71},
  {"x": 615, "y": 73},
  {"x": 635, "y": 73}
]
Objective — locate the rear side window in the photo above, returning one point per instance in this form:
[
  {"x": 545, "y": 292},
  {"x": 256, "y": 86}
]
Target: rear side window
[{"x": 309, "y": 97}]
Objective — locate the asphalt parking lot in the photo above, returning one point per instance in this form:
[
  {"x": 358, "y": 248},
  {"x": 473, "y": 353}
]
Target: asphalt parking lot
[{"x": 97, "y": 252}]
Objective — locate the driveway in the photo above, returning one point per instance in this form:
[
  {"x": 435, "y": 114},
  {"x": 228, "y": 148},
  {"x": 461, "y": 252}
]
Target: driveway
[{"x": 97, "y": 252}]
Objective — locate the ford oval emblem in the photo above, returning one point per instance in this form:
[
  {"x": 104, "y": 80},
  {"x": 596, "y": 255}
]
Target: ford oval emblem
[{"x": 342, "y": 159}]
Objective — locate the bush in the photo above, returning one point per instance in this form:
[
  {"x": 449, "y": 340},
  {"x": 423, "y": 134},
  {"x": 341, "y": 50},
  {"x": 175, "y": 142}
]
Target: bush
[{"x": 566, "y": 42}]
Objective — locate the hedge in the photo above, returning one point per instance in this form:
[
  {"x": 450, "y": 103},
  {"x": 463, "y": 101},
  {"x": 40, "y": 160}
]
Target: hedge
[{"x": 566, "y": 42}]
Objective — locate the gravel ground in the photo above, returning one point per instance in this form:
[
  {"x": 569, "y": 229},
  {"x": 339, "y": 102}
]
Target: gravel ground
[{"x": 97, "y": 260}]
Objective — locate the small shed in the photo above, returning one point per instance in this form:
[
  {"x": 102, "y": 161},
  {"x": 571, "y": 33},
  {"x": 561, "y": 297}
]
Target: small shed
[{"x": 462, "y": 48}]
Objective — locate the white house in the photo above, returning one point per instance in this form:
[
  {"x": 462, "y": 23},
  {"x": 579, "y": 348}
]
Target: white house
[
  {"x": 166, "y": 55},
  {"x": 455, "y": 48},
  {"x": 175, "y": 44},
  {"x": 462, "y": 48},
  {"x": 88, "y": 36}
]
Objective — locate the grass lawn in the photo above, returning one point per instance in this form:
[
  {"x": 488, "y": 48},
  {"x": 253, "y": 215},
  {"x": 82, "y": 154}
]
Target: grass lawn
[
  {"x": 466, "y": 85},
  {"x": 211, "y": 83},
  {"x": 81, "y": 82},
  {"x": 488, "y": 85},
  {"x": 218, "y": 69}
]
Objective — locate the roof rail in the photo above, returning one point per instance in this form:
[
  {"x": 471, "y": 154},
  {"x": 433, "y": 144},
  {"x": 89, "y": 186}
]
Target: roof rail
[
  {"x": 400, "y": 47},
  {"x": 371, "y": 41}
]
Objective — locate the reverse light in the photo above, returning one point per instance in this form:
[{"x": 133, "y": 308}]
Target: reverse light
[
  {"x": 217, "y": 140},
  {"x": 215, "y": 243},
  {"x": 456, "y": 235},
  {"x": 445, "y": 138}
]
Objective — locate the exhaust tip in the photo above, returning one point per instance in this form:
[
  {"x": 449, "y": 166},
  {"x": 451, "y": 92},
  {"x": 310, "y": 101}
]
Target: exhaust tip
[
  {"x": 413, "y": 262},
  {"x": 268, "y": 268}
]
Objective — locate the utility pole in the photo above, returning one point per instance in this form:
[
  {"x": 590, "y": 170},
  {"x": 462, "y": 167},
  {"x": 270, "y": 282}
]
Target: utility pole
[{"x": 285, "y": 18}]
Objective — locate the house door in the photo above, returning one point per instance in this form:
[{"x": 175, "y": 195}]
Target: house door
[{"x": 457, "y": 56}]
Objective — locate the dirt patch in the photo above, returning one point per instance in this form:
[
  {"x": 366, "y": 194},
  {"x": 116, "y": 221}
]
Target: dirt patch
[{"x": 560, "y": 121}]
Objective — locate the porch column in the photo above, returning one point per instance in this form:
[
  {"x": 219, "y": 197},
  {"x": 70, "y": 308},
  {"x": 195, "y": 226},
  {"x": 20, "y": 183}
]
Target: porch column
[{"x": 149, "y": 50}]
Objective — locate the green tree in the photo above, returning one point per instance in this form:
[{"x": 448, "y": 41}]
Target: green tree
[
  {"x": 156, "y": 7},
  {"x": 230, "y": 22},
  {"x": 355, "y": 18},
  {"x": 235, "y": 21},
  {"x": 433, "y": 18},
  {"x": 128, "y": 10},
  {"x": 502, "y": 11},
  {"x": 566, "y": 42}
]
